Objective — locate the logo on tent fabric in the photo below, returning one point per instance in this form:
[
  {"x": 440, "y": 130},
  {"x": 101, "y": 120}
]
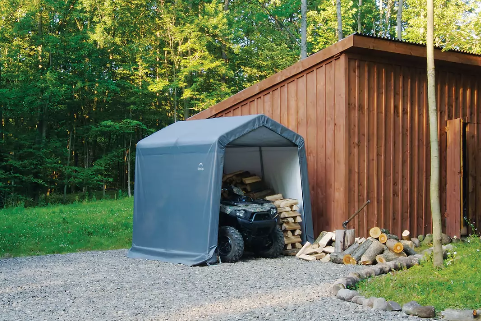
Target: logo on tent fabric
[{"x": 200, "y": 167}]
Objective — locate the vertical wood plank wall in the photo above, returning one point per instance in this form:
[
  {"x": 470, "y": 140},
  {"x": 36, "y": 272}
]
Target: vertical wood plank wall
[
  {"x": 312, "y": 104},
  {"x": 388, "y": 144},
  {"x": 365, "y": 123}
]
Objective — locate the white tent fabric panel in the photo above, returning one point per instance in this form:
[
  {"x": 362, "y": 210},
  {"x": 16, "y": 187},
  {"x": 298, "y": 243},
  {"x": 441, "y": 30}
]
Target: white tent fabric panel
[
  {"x": 242, "y": 158},
  {"x": 282, "y": 172}
]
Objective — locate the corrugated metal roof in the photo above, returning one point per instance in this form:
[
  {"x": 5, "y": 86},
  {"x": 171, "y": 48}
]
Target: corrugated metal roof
[{"x": 414, "y": 43}]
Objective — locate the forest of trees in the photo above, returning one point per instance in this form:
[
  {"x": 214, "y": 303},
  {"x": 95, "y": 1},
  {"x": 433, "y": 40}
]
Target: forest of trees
[{"x": 82, "y": 81}]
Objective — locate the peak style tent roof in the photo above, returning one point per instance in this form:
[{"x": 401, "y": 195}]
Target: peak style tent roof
[{"x": 178, "y": 180}]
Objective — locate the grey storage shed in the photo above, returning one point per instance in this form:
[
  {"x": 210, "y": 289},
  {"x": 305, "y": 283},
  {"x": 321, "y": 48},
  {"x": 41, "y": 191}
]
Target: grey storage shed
[{"x": 178, "y": 181}]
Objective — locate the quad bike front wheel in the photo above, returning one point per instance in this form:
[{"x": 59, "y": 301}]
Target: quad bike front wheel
[
  {"x": 271, "y": 246},
  {"x": 230, "y": 244}
]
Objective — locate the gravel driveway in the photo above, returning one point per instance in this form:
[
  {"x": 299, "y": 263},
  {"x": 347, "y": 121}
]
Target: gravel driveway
[{"x": 109, "y": 286}]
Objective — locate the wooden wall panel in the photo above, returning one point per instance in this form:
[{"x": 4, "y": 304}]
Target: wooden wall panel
[
  {"x": 388, "y": 119},
  {"x": 365, "y": 124}
]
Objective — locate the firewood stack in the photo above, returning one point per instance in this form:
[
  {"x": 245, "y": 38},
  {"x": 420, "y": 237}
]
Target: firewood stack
[
  {"x": 252, "y": 185},
  {"x": 290, "y": 220},
  {"x": 379, "y": 247}
]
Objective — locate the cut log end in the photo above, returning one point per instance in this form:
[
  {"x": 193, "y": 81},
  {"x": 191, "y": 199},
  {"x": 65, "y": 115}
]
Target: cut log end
[
  {"x": 406, "y": 235},
  {"x": 347, "y": 259},
  {"x": 375, "y": 232},
  {"x": 382, "y": 238},
  {"x": 394, "y": 245}
]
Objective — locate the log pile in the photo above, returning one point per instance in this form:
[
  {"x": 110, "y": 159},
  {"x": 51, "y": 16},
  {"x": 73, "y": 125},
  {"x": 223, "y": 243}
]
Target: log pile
[
  {"x": 379, "y": 247},
  {"x": 290, "y": 222},
  {"x": 252, "y": 185}
]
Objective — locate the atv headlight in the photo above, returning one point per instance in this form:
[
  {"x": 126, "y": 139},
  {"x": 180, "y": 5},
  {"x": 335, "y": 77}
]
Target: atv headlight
[
  {"x": 240, "y": 213},
  {"x": 273, "y": 211}
]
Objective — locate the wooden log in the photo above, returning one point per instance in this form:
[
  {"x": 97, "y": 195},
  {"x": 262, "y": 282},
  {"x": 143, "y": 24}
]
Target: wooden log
[
  {"x": 307, "y": 257},
  {"x": 344, "y": 239},
  {"x": 362, "y": 239},
  {"x": 407, "y": 243},
  {"x": 287, "y": 233},
  {"x": 326, "y": 239},
  {"x": 392, "y": 236},
  {"x": 408, "y": 247},
  {"x": 337, "y": 257},
  {"x": 369, "y": 257},
  {"x": 287, "y": 220},
  {"x": 284, "y": 211},
  {"x": 298, "y": 219},
  {"x": 289, "y": 214},
  {"x": 406, "y": 235},
  {"x": 297, "y": 232},
  {"x": 388, "y": 256},
  {"x": 256, "y": 186},
  {"x": 382, "y": 238},
  {"x": 288, "y": 202},
  {"x": 290, "y": 252},
  {"x": 252, "y": 179},
  {"x": 356, "y": 255},
  {"x": 346, "y": 259},
  {"x": 227, "y": 176},
  {"x": 326, "y": 258},
  {"x": 319, "y": 256},
  {"x": 321, "y": 235},
  {"x": 385, "y": 231},
  {"x": 278, "y": 203},
  {"x": 293, "y": 239},
  {"x": 304, "y": 248},
  {"x": 298, "y": 245},
  {"x": 274, "y": 197},
  {"x": 295, "y": 207},
  {"x": 291, "y": 226},
  {"x": 328, "y": 249},
  {"x": 394, "y": 245},
  {"x": 416, "y": 242},
  {"x": 288, "y": 246},
  {"x": 375, "y": 232}
]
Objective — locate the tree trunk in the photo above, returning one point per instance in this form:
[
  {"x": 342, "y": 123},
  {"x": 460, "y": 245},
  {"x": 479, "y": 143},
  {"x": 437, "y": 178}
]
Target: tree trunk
[
  {"x": 128, "y": 167},
  {"x": 339, "y": 21},
  {"x": 394, "y": 245},
  {"x": 399, "y": 19},
  {"x": 68, "y": 164},
  {"x": 359, "y": 17},
  {"x": 303, "y": 29},
  {"x": 433, "y": 131},
  {"x": 344, "y": 239},
  {"x": 356, "y": 255}
]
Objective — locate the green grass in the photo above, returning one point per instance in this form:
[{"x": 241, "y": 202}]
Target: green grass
[
  {"x": 456, "y": 286},
  {"x": 100, "y": 225}
]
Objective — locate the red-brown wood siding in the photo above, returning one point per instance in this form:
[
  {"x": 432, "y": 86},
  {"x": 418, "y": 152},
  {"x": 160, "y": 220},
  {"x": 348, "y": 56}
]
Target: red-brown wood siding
[
  {"x": 389, "y": 149},
  {"x": 312, "y": 104},
  {"x": 361, "y": 106}
]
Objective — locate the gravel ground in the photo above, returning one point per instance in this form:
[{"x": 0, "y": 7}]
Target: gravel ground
[{"x": 109, "y": 286}]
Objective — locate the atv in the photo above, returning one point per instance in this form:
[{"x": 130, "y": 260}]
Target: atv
[{"x": 247, "y": 223}]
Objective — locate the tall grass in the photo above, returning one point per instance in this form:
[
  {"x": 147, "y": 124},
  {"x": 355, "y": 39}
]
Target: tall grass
[
  {"x": 99, "y": 225},
  {"x": 457, "y": 285}
]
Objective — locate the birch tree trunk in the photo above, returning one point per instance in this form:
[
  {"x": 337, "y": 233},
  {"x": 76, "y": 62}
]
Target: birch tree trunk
[
  {"x": 433, "y": 132},
  {"x": 303, "y": 29},
  {"x": 399, "y": 19},
  {"x": 339, "y": 21}
]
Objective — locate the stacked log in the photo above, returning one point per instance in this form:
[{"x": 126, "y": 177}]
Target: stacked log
[
  {"x": 321, "y": 249},
  {"x": 290, "y": 219},
  {"x": 379, "y": 247}
]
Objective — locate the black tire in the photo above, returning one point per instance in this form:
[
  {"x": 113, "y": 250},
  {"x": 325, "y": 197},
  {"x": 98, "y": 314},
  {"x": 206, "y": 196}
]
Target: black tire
[
  {"x": 230, "y": 244},
  {"x": 273, "y": 245}
]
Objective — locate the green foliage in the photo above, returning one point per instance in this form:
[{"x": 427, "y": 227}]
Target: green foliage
[
  {"x": 96, "y": 225},
  {"x": 455, "y": 286},
  {"x": 82, "y": 81}
]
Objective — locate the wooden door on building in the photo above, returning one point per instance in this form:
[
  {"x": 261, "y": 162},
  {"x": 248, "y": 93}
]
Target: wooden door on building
[{"x": 454, "y": 178}]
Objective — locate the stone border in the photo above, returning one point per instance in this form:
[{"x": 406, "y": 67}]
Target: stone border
[{"x": 340, "y": 290}]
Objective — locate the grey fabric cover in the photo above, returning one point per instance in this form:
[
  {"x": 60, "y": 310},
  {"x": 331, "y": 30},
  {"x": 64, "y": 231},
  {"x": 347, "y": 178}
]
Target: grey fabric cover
[{"x": 178, "y": 179}]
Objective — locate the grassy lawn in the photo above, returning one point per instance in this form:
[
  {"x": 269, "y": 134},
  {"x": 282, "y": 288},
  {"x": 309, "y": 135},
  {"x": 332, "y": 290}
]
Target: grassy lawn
[
  {"x": 99, "y": 225},
  {"x": 456, "y": 286}
]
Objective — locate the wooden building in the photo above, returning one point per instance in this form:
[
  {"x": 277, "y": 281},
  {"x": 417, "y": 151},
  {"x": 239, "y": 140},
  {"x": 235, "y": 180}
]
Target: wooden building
[{"x": 361, "y": 105}]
